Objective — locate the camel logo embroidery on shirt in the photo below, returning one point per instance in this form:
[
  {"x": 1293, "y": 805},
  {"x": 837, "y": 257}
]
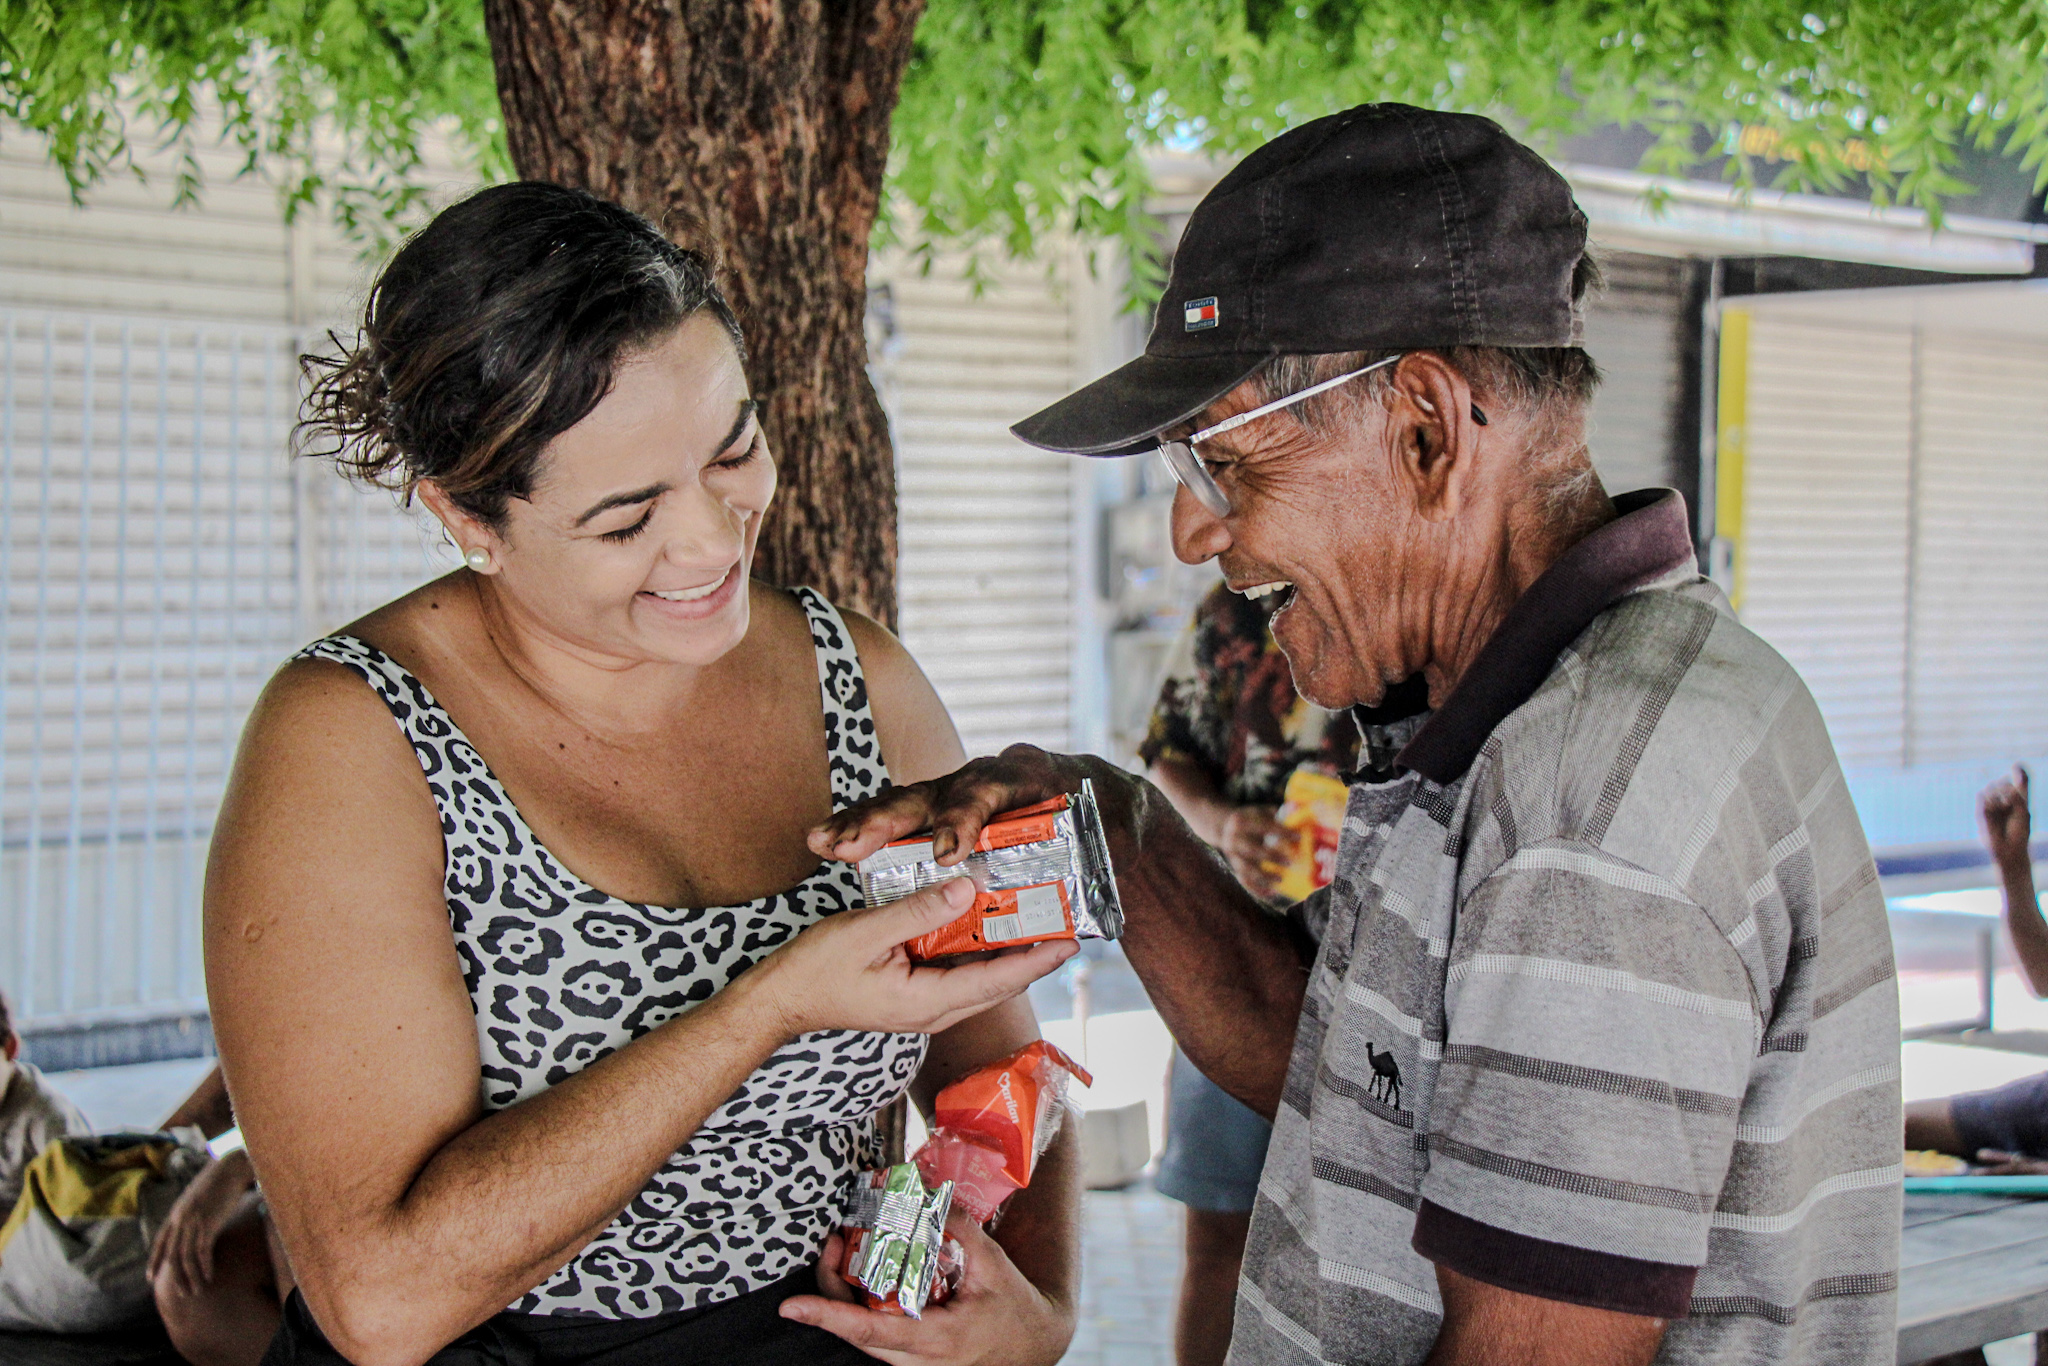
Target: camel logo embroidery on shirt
[{"x": 1386, "y": 1077}]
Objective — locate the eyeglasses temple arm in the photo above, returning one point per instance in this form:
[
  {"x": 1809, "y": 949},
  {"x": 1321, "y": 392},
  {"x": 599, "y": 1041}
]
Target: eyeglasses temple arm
[{"x": 1231, "y": 424}]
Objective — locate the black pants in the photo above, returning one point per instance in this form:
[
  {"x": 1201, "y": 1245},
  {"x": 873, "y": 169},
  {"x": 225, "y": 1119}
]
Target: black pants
[{"x": 741, "y": 1332}]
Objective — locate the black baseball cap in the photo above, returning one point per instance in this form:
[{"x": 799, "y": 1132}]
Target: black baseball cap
[{"x": 1385, "y": 227}]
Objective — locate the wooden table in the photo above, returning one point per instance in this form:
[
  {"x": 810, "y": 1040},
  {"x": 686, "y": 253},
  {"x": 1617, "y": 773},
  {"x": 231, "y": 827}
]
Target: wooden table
[{"x": 1972, "y": 1269}]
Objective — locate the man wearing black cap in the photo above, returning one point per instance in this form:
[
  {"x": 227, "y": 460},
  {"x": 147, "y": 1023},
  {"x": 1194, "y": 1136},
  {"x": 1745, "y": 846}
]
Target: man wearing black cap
[{"x": 1589, "y": 1053}]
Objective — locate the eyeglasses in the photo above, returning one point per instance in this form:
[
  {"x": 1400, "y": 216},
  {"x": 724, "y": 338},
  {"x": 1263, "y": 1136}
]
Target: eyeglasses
[{"x": 1191, "y": 474}]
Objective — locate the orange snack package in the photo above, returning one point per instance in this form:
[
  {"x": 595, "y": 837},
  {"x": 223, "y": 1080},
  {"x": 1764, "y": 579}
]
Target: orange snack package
[
  {"x": 990, "y": 1126},
  {"x": 1040, "y": 873},
  {"x": 1312, "y": 812}
]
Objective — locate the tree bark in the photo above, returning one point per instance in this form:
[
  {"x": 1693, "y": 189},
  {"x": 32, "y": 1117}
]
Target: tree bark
[{"x": 757, "y": 131}]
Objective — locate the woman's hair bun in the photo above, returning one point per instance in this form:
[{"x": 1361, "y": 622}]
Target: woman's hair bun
[{"x": 493, "y": 330}]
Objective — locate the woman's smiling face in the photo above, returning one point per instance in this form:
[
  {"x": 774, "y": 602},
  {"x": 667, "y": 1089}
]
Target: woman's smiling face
[{"x": 636, "y": 543}]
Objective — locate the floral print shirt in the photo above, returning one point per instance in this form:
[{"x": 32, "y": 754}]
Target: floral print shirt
[{"x": 1229, "y": 707}]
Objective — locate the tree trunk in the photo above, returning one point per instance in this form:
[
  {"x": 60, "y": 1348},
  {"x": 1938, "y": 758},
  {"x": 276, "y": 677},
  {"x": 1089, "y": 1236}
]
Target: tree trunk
[{"x": 756, "y": 130}]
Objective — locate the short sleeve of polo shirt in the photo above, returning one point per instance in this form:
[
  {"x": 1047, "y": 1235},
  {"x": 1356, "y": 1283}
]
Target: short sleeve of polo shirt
[{"x": 1600, "y": 1033}]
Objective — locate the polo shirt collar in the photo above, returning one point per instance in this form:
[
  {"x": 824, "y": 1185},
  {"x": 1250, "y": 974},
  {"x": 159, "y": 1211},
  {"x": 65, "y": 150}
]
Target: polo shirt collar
[{"x": 1648, "y": 545}]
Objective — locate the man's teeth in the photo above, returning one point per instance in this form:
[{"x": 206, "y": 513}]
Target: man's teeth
[
  {"x": 1260, "y": 590},
  {"x": 693, "y": 594}
]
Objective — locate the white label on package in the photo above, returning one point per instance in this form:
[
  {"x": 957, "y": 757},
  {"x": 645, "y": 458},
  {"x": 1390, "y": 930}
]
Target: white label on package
[
  {"x": 892, "y": 856},
  {"x": 1000, "y": 929},
  {"x": 1040, "y": 911}
]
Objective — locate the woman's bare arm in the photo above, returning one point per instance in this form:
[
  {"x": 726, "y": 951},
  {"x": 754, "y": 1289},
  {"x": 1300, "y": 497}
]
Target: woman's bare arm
[{"x": 348, "y": 1038}]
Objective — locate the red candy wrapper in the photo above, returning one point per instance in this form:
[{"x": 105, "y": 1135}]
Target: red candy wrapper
[{"x": 990, "y": 1126}]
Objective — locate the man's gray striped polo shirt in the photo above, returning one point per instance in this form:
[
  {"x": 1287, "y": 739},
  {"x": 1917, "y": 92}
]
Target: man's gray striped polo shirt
[{"x": 1604, "y": 1009}]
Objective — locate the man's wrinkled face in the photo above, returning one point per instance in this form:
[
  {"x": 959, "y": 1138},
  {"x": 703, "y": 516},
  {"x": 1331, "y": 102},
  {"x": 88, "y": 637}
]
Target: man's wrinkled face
[{"x": 1317, "y": 514}]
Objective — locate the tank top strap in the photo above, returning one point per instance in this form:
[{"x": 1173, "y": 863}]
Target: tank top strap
[
  {"x": 412, "y": 706},
  {"x": 854, "y": 755}
]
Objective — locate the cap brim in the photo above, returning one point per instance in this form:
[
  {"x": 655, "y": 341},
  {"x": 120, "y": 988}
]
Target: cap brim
[{"x": 1123, "y": 412}]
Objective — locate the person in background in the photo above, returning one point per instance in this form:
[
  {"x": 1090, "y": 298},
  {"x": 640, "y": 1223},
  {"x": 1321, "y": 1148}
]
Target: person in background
[
  {"x": 1228, "y": 730},
  {"x": 31, "y": 1113},
  {"x": 2005, "y": 1128},
  {"x": 218, "y": 1272},
  {"x": 217, "y": 1279}
]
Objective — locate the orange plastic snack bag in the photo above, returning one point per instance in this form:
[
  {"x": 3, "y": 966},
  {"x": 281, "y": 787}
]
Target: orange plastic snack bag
[
  {"x": 1001, "y": 919},
  {"x": 1312, "y": 811},
  {"x": 990, "y": 1126}
]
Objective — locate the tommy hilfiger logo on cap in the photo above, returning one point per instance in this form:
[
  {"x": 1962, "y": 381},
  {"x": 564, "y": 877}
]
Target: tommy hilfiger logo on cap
[{"x": 1200, "y": 313}]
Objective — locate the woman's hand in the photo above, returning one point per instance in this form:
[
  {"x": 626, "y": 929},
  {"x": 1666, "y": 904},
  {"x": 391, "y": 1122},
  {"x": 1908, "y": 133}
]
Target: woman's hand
[
  {"x": 996, "y": 1318},
  {"x": 1251, "y": 837},
  {"x": 183, "y": 1249},
  {"x": 852, "y": 971}
]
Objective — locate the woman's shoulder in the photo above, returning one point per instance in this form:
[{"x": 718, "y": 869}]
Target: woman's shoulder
[
  {"x": 415, "y": 620},
  {"x": 342, "y": 689},
  {"x": 883, "y": 658}
]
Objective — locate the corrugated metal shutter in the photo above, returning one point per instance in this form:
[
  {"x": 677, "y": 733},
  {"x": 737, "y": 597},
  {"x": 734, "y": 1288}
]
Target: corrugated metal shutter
[
  {"x": 1826, "y": 520},
  {"x": 1633, "y": 330},
  {"x": 130, "y": 252},
  {"x": 160, "y": 555},
  {"x": 1980, "y": 636},
  {"x": 986, "y": 565},
  {"x": 146, "y": 555}
]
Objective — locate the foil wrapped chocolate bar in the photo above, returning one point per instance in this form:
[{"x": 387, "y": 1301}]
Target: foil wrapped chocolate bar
[
  {"x": 1040, "y": 873},
  {"x": 896, "y": 1239}
]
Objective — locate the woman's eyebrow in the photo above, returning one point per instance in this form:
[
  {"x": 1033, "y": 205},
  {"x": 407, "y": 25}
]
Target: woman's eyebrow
[
  {"x": 619, "y": 500},
  {"x": 748, "y": 407}
]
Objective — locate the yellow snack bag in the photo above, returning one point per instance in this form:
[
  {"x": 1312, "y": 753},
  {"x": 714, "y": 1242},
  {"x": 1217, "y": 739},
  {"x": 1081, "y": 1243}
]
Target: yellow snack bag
[{"x": 1312, "y": 812}]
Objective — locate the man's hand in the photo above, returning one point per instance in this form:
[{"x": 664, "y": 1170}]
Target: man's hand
[
  {"x": 1226, "y": 975},
  {"x": 996, "y": 1318},
  {"x": 2007, "y": 822},
  {"x": 1485, "y": 1325},
  {"x": 183, "y": 1249},
  {"x": 1252, "y": 835},
  {"x": 956, "y": 807}
]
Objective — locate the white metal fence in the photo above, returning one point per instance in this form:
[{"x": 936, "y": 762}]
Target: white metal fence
[{"x": 160, "y": 553}]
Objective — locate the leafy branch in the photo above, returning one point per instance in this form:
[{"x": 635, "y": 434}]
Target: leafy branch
[{"x": 1022, "y": 118}]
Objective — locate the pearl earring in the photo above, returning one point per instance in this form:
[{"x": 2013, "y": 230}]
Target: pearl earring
[{"x": 477, "y": 558}]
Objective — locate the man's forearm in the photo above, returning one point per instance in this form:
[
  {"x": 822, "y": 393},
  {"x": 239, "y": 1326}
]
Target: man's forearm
[
  {"x": 1193, "y": 795},
  {"x": 1226, "y": 974}
]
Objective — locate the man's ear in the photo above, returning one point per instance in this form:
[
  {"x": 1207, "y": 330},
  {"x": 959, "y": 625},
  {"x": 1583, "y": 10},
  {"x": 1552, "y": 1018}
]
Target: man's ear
[
  {"x": 1434, "y": 435},
  {"x": 11, "y": 1048},
  {"x": 466, "y": 531}
]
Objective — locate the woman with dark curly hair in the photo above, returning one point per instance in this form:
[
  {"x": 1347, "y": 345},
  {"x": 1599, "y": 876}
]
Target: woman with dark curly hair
[{"x": 550, "y": 1038}]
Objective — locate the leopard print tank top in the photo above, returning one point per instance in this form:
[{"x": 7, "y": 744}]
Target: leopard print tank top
[{"x": 561, "y": 974}]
